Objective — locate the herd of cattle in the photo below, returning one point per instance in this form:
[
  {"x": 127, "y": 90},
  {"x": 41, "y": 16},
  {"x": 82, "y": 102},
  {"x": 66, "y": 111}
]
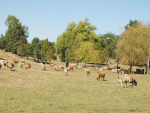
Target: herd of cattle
[{"x": 123, "y": 78}]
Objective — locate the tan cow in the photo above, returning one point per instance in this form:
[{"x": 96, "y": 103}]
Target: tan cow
[
  {"x": 56, "y": 68},
  {"x": 105, "y": 68},
  {"x": 126, "y": 79},
  {"x": 52, "y": 65},
  {"x": 10, "y": 65},
  {"x": 87, "y": 72},
  {"x": 101, "y": 75},
  {"x": 66, "y": 71},
  {"x": 74, "y": 65}
]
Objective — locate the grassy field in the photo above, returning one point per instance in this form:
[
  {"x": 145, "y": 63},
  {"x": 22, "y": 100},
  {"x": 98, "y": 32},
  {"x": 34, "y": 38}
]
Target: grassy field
[{"x": 34, "y": 91}]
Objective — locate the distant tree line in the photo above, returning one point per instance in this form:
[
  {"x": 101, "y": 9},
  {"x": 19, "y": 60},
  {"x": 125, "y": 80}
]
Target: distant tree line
[
  {"x": 15, "y": 41},
  {"x": 80, "y": 43}
]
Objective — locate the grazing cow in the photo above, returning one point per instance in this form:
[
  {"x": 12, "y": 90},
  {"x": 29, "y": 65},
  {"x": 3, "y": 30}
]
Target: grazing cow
[
  {"x": 101, "y": 75},
  {"x": 20, "y": 65},
  {"x": 10, "y": 65},
  {"x": 16, "y": 61},
  {"x": 126, "y": 79},
  {"x": 28, "y": 66},
  {"x": 105, "y": 68},
  {"x": 66, "y": 71},
  {"x": 52, "y": 65},
  {"x": 61, "y": 66},
  {"x": 74, "y": 65},
  {"x": 43, "y": 67},
  {"x": 56, "y": 68},
  {"x": 87, "y": 72},
  {"x": 70, "y": 68},
  {"x": 23, "y": 61}
]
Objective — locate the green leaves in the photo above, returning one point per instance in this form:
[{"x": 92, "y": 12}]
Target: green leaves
[{"x": 16, "y": 32}]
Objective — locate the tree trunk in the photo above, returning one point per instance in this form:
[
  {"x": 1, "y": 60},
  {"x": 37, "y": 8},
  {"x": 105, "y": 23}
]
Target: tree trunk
[
  {"x": 130, "y": 69},
  {"x": 95, "y": 64},
  {"x": 67, "y": 64},
  {"x": 77, "y": 64},
  {"x": 84, "y": 63}
]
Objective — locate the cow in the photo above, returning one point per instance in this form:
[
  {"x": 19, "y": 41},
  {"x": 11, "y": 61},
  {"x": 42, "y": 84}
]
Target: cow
[
  {"x": 126, "y": 79},
  {"x": 20, "y": 65},
  {"x": 101, "y": 75},
  {"x": 52, "y": 65},
  {"x": 56, "y": 68},
  {"x": 87, "y": 72},
  {"x": 61, "y": 66},
  {"x": 66, "y": 71},
  {"x": 10, "y": 65},
  {"x": 22, "y": 61},
  {"x": 43, "y": 67},
  {"x": 28, "y": 66},
  {"x": 70, "y": 68},
  {"x": 74, "y": 65},
  {"x": 105, "y": 68},
  {"x": 16, "y": 61}
]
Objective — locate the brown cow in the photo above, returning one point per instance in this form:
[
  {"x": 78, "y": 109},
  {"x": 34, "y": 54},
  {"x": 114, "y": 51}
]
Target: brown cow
[
  {"x": 70, "y": 68},
  {"x": 28, "y": 66},
  {"x": 101, "y": 75}
]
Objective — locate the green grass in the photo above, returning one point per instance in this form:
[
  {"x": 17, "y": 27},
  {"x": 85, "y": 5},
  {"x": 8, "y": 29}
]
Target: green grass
[{"x": 33, "y": 91}]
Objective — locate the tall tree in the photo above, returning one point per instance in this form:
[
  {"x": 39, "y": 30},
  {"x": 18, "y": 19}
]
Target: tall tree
[
  {"x": 32, "y": 46},
  {"x": 37, "y": 50},
  {"x": 131, "y": 23},
  {"x": 133, "y": 45},
  {"x": 67, "y": 43},
  {"x": 108, "y": 44},
  {"x": 16, "y": 33},
  {"x": 46, "y": 51},
  {"x": 3, "y": 42}
]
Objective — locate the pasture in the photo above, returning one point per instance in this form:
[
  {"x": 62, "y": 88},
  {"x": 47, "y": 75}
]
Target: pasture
[{"x": 49, "y": 91}]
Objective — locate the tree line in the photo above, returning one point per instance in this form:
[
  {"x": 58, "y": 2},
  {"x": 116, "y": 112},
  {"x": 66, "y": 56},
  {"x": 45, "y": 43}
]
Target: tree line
[
  {"x": 15, "y": 41},
  {"x": 80, "y": 43}
]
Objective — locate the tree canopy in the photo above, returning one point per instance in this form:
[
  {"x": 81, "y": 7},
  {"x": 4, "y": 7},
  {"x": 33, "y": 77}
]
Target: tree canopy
[
  {"x": 69, "y": 40},
  {"x": 16, "y": 33},
  {"x": 133, "y": 45}
]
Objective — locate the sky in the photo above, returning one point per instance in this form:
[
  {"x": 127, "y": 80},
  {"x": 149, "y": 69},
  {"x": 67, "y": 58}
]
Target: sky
[{"x": 49, "y": 18}]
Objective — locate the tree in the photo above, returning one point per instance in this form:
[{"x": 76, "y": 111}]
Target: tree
[
  {"x": 16, "y": 33},
  {"x": 32, "y": 46},
  {"x": 46, "y": 50},
  {"x": 2, "y": 42},
  {"x": 108, "y": 45},
  {"x": 86, "y": 52},
  {"x": 133, "y": 45},
  {"x": 22, "y": 50},
  {"x": 131, "y": 23},
  {"x": 67, "y": 43},
  {"x": 37, "y": 50}
]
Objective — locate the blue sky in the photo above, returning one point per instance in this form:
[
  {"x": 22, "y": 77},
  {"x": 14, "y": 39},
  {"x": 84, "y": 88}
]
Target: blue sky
[{"x": 49, "y": 18}]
